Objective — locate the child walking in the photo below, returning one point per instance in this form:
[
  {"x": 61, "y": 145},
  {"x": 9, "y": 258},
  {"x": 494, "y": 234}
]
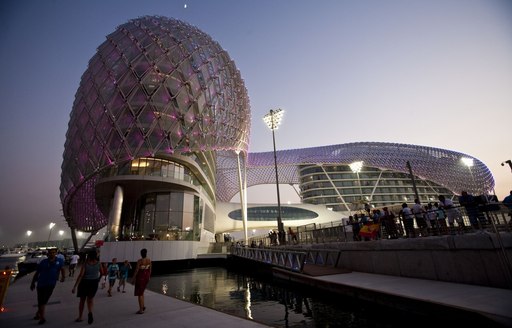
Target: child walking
[
  {"x": 113, "y": 274},
  {"x": 123, "y": 275}
]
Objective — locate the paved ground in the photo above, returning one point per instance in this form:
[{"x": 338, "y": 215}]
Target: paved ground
[{"x": 116, "y": 311}]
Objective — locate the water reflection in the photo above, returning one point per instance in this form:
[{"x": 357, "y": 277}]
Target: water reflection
[
  {"x": 255, "y": 299},
  {"x": 248, "y": 302},
  {"x": 236, "y": 294},
  {"x": 11, "y": 263},
  {"x": 164, "y": 287},
  {"x": 262, "y": 300},
  {"x": 281, "y": 305}
]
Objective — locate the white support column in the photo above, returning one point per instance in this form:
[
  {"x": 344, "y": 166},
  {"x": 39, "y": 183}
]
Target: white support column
[
  {"x": 114, "y": 218},
  {"x": 243, "y": 198}
]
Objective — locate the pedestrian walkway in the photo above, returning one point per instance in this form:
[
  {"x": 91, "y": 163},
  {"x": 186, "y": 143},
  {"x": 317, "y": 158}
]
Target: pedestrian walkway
[{"x": 20, "y": 305}]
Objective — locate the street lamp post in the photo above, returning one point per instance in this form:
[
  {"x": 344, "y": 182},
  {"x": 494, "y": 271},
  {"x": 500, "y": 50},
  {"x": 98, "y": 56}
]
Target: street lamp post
[
  {"x": 273, "y": 119},
  {"x": 52, "y": 224}
]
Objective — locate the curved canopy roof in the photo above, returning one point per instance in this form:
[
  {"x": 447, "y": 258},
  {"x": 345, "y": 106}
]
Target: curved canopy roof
[{"x": 441, "y": 166}]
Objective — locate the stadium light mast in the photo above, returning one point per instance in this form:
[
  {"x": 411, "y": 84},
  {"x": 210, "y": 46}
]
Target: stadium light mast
[{"x": 273, "y": 119}]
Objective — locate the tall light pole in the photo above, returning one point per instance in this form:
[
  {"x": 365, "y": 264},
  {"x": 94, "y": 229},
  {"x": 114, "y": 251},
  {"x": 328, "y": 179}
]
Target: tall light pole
[
  {"x": 52, "y": 224},
  {"x": 273, "y": 119}
]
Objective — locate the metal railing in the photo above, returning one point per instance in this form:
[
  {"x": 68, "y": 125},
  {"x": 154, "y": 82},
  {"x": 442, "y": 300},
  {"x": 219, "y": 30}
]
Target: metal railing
[{"x": 288, "y": 259}]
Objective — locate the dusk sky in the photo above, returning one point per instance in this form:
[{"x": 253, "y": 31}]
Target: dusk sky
[{"x": 433, "y": 73}]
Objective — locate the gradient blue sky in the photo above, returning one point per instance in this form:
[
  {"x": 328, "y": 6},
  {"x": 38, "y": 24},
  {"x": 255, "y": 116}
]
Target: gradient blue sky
[{"x": 435, "y": 73}]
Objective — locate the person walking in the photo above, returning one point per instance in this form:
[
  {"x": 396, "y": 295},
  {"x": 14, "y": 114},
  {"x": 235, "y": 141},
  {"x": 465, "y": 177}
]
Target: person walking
[
  {"x": 124, "y": 270},
  {"x": 431, "y": 216},
  {"x": 452, "y": 213},
  {"x": 141, "y": 278},
  {"x": 419, "y": 215},
  {"x": 46, "y": 276},
  {"x": 408, "y": 220},
  {"x": 292, "y": 235},
  {"x": 87, "y": 283},
  {"x": 388, "y": 219},
  {"x": 113, "y": 274},
  {"x": 356, "y": 227},
  {"x": 73, "y": 263},
  {"x": 469, "y": 203},
  {"x": 441, "y": 219}
]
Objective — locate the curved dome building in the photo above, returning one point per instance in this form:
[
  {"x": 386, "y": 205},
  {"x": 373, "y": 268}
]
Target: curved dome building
[
  {"x": 157, "y": 101},
  {"x": 159, "y": 134}
]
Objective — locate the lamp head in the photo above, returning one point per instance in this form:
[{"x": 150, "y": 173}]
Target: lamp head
[{"x": 273, "y": 118}]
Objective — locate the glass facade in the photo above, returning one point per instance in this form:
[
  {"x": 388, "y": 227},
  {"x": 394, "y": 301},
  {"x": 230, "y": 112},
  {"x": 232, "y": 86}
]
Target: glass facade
[
  {"x": 167, "y": 216},
  {"x": 339, "y": 188}
]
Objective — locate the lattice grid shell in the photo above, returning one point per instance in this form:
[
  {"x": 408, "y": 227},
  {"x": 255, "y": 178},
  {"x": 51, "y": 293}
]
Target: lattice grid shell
[
  {"x": 441, "y": 166},
  {"x": 155, "y": 86}
]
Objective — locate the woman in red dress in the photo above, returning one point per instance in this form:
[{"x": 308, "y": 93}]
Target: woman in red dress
[{"x": 141, "y": 278}]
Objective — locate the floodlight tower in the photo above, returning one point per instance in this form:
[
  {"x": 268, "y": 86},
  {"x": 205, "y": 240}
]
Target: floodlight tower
[{"x": 273, "y": 119}]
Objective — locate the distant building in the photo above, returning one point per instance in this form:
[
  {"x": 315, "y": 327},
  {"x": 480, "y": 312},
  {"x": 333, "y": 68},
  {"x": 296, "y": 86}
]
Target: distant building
[{"x": 158, "y": 138}]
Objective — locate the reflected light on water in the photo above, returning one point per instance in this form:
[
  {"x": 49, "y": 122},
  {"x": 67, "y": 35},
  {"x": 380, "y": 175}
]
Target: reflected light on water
[
  {"x": 247, "y": 295},
  {"x": 164, "y": 287}
]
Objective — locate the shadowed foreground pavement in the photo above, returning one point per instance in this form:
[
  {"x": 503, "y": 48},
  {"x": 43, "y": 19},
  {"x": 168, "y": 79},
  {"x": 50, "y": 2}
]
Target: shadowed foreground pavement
[{"x": 20, "y": 306}]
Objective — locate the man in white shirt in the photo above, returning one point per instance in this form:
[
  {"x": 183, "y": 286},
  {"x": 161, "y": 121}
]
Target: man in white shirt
[{"x": 72, "y": 264}]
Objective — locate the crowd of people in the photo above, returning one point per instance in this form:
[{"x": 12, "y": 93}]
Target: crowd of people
[
  {"x": 435, "y": 218},
  {"x": 92, "y": 272}
]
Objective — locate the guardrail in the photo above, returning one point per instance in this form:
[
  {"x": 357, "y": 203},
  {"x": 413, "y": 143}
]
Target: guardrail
[{"x": 291, "y": 260}]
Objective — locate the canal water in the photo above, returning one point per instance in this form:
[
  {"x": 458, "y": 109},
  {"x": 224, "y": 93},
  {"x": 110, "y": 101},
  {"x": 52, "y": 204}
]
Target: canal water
[{"x": 279, "y": 304}]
